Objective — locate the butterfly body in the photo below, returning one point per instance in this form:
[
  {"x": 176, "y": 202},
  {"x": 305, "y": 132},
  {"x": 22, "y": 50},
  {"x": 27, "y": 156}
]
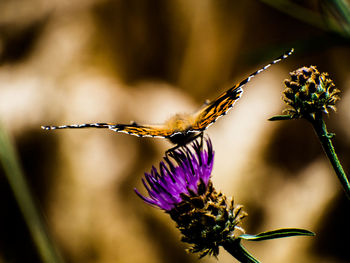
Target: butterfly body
[
  {"x": 180, "y": 122},
  {"x": 181, "y": 128}
]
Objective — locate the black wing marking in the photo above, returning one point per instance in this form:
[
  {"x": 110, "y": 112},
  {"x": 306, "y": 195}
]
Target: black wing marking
[
  {"x": 132, "y": 129},
  {"x": 222, "y": 104}
]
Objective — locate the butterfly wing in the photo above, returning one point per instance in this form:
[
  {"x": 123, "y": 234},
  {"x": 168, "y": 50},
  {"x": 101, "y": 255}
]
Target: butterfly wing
[
  {"x": 217, "y": 108},
  {"x": 78, "y": 126},
  {"x": 202, "y": 119},
  {"x": 132, "y": 129},
  {"x": 157, "y": 131},
  {"x": 222, "y": 104}
]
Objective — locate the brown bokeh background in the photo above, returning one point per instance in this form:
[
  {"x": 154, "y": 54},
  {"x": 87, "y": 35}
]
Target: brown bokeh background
[{"x": 64, "y": 62}]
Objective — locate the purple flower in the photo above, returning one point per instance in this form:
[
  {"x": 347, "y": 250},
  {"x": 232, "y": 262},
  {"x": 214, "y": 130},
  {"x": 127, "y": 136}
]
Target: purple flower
[
  {"x": 181, "y": 173},
  {"x": 182, "y": 187}
]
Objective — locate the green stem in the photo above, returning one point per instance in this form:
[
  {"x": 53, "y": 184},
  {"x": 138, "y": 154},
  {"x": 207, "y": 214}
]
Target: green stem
[
  {"x": 325, "y": 139},
  {"x": 236, "y": 249},
  {"x": 21, "y": 191},
  {"x": 305, "y": 15},
  {"x": 344, "y": 9}
]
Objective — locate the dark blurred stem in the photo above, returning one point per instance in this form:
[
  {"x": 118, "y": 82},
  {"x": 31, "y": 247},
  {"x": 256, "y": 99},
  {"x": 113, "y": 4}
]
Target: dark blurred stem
[
  {"x": 235, "y": 248},
  {"x": 325, "y": 139},
  {"x": 344, "y": 9},
  {"x": 303, "y": 14},
  {"x": 19, "y": 186}
]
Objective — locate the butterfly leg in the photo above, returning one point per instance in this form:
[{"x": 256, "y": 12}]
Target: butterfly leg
[
  {"x": 183, "y": 144},
  {"x": 202, "y": 137},
  {"x": 169, "y": 151}
]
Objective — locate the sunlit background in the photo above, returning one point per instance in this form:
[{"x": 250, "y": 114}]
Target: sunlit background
[{"x": 65, "y": 62}]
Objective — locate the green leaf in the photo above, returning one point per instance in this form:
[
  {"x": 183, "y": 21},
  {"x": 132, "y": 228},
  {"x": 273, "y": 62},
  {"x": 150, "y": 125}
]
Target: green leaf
[
  {"x": 280, "y": 118},
  {"x": 238, "y": 251},
  {"x": 10, "y": 164},
  {"x": 279, "y": 233}
]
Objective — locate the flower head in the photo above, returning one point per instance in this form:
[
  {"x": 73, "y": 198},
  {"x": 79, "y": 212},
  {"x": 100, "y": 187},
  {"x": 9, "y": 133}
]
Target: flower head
[
  {"x": 308, "y": 92},
  {"x": 173, "y": 180},
  {"x": 182, "y": 188}
]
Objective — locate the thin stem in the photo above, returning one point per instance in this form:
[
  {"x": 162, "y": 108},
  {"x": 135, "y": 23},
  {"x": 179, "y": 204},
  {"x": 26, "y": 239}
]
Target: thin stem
[
  {"x": 19, "y": 186},
  {"x": 236, "y": 249},
  {"x": 340, "y": 10},
  {"x": 325, "y": 139},
  {"x": 344, "y": 9},
  {"x": 305, "y": 15}
]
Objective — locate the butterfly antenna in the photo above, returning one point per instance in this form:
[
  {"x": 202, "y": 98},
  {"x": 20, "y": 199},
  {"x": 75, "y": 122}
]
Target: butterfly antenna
[
  {"x": 78, "y": 126},
  {"x": 280, "y": 58}
]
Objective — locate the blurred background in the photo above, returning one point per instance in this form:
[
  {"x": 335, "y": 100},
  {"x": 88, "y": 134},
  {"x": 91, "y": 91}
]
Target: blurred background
[{"x": 64, "y": 62}]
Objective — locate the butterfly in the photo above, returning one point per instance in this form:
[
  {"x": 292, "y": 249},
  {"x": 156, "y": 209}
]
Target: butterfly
[{"x": 181, "y": 128}]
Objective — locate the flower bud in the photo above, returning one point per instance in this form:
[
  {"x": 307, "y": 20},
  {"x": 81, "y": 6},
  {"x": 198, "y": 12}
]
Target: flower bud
[{"x": 309, "y": 92}]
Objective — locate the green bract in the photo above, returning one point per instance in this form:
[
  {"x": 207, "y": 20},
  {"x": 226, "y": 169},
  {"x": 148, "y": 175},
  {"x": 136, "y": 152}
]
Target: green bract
[{"x": 309, "y": 92}]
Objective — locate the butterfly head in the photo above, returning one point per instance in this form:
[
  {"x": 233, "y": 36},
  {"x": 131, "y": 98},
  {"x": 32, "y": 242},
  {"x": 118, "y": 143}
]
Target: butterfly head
[
  {"x": 182, "y": 138},
  {"x": 181, "y": 125}
]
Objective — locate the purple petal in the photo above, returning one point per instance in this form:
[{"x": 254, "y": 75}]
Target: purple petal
[{"x": 189, "y": 165}]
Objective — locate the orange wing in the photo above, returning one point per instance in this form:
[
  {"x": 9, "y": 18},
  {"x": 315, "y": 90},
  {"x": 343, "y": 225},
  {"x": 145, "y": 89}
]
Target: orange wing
[
  {"x": 222, "y": 104},
  {"x": 142, "y": 131},
  {"x": 132, "y": 129},
  {"x": 202, "y": 120},
  {"x": 217, "y": 108}
]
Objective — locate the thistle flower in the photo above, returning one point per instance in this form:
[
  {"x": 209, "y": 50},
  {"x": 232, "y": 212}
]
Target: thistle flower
[
  {"x": 182, "y": 188},
  {"x": 309, "y": 92}
]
